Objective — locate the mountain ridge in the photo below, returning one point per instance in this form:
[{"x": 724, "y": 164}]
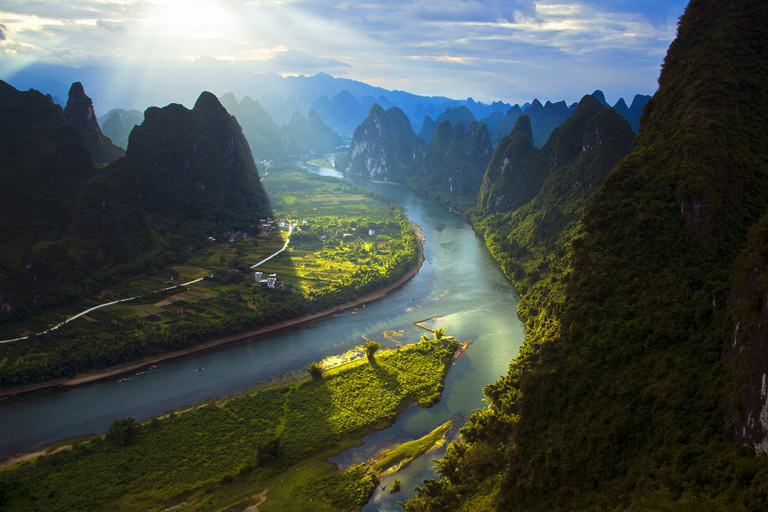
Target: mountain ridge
[{"x": 657, "y": 289}]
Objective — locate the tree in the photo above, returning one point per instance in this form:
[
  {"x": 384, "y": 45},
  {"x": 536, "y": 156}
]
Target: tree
[
  {"x": 371, "y": 347},
  {"x": 315, "y": 370},
  {"x": 121, "y": 432}
]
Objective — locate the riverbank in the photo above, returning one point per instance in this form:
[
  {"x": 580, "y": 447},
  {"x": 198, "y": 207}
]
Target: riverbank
[
  {"x": 183, "y": 460},
  {"x": 262, "y": 331}
]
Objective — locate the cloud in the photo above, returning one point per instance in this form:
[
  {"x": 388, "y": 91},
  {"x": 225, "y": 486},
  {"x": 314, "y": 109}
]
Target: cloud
[
  {"x": 660, "y": 13},
  {"x": 489, "y": 49},
  {"x": 2, "y": 32},
  {"x": 71, "y": 10},
  {"x": 111, "y": 26},
  {"x": 292, "y": 60}
]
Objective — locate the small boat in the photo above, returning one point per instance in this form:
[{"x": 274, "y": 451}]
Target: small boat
[
  {"x": 123, "y": 380},
  {"x": 153, "y": 367},
  {"x": 199, "y": 369}
]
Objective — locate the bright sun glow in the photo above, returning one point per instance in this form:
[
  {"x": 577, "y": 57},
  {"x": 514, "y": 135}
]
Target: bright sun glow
[{"x": 198, "y": 19}]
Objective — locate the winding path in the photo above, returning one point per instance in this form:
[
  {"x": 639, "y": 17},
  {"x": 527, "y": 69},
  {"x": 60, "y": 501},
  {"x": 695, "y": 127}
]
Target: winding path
[{"x": 94, "y": 308}]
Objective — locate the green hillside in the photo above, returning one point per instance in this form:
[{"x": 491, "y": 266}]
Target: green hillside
[
  {"x": 622, "y": 404},
  {"x": 453, "y": 164}
]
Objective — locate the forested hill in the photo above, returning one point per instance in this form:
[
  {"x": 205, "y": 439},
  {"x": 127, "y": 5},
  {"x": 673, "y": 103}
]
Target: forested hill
[
  {"x": 383, "y": 146},
  {"x": 195, "y": 165},
  {"x": 68, "y": 225},
  {"x": 532, "y": 242},
  {"x": 452, "y": 164},
  {"x": 624, "y": 402},
  {"x": 518, "y": 169}
]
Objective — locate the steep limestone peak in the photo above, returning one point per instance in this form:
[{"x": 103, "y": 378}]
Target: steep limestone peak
[{"x": 79, "y": 113}]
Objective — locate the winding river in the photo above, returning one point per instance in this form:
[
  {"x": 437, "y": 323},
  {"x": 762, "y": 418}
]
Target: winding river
[{"x": 459, "y": 286}]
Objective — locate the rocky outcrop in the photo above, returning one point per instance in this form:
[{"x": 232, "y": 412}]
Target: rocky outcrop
[
  {"x": 746, "y": 350},
  {"x": 384, "y": 146},
  {"x": 79, "y": 113}
]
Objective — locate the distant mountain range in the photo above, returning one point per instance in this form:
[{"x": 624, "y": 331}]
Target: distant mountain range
[
  {"x": 300, "y": 137},
  {"x": 341, "y": 103},
  {"x": 448, "y": 158}
]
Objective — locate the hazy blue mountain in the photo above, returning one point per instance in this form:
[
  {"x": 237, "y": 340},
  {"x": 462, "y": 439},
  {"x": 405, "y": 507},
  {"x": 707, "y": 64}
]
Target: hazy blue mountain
[
  {"x": 118, "y": 123},
  {"x": 343, "y": 112},
  {"x": 427, "y": 128},
  {"x": 500, "y": 127},
  {"x": 261, "y": 132},
  {"x": 311, "y": 136},
  {"x": 631, "y": 114},
  {"x": 481, "y": 110},
  {"x": 455, "y": 115},
  {"x": 636, "y": 110},
  {"x": 545, "y": 118}
]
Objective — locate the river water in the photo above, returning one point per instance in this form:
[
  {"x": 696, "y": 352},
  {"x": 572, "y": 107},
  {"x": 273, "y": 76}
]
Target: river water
[{"x": 459, "y": 286}]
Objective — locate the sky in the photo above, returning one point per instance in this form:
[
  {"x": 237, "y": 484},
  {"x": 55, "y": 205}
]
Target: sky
[{"x": 508, "y": 50}]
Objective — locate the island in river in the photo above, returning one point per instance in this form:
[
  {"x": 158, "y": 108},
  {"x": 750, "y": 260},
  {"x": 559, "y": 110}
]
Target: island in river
[{"x": 244, "y": 448}]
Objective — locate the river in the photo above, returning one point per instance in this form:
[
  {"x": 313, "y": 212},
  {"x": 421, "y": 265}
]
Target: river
[{"x": 459, "y": 286}]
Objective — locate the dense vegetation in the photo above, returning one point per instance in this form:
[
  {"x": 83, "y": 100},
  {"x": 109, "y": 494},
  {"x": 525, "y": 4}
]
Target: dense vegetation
[
  {"x": 221, "y": 452},
  {"x": 533, "y": 242},
  {"x": 333, "y": 258},
  {"x": 70, "y": 229},
  {"x": 622, "y": 403},
  {"x": 453, "y": 163}
]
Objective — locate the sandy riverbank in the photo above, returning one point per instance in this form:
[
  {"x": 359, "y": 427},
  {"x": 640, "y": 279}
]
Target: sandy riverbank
[{"x": 262, "y": 331}]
